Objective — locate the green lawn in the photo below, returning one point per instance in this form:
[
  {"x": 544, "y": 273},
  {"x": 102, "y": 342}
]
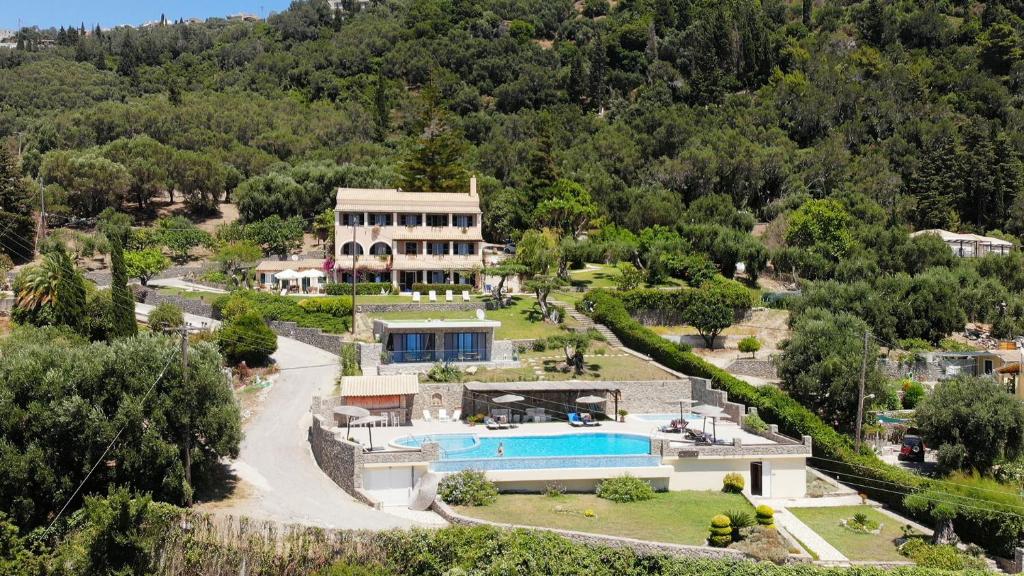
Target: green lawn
[
  {"x": 854, "y": 545},
  {"x": 521, "y": 320},
  {"x": 602, "y": 363},
  {"x": 676, "y": 517}
]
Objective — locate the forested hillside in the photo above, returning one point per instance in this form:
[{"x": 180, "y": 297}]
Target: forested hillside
[{"x": 648, "y": 104}]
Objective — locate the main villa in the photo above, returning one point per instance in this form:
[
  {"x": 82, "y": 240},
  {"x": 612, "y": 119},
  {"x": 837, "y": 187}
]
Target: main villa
[{"x": 407, "y": 238}]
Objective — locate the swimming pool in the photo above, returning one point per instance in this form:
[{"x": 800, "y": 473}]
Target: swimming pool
[
  {"x": 470, "y": 446},
  {"x": 584, "y": 450}
]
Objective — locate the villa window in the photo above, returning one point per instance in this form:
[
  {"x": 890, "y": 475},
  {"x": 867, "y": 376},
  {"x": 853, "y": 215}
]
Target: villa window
[
  {"x": 380, "y": 219},
  {"x": 437, "y": 248},
  {"x": 351, "y": 219},
  {"x": 410, "y": 220},
  {"x": 463, "y": 220},
  {"x": 437, "y": 220}
]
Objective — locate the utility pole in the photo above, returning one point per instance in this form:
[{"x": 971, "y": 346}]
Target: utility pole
[
  {"x": 860, "y": 393},
  {"x": 355, "y": 250}
]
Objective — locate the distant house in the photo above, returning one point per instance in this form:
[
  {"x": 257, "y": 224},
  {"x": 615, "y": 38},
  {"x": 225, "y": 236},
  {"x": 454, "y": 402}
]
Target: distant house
[{"x": 970, "y": 245}]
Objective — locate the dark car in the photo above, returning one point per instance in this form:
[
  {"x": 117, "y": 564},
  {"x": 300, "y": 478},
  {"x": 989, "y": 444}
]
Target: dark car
[{"x": 912, "y": 449}]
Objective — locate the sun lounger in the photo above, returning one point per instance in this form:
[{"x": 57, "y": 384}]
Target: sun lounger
[
  {"x": 457, "y": 415},
  {"x": 426, "y": 416},
  {"x": 448, "y": 296},
  {"x": 465, "y": 295},
  {"x": 442, "y": 415},
  {"x": 574, "y": 420},
  {"x": 589, "y": 420},
  {"x": 416, "y": 297},
  {"x": 432, "y": 296}
]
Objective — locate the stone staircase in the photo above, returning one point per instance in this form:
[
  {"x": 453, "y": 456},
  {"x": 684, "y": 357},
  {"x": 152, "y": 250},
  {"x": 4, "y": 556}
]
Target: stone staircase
[{"x": 586, "y": 323}]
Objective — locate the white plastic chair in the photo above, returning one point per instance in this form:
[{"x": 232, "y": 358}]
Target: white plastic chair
[
  {"x": 426, "y": 416},
  {"x": 448, "y": 296},
  {"x": 465, "y": 295},
  {"x": 416, "y": 297},
  {"x": 442, "y": 415},
  {"x": 432, "y": 296}
]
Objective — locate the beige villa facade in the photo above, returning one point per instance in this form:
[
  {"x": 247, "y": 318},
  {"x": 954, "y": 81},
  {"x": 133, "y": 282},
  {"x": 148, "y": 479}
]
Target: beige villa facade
[{"x": 409, "y": 237}]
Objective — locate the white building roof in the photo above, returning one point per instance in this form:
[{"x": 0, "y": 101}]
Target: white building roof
[
  {"x": 948, "y": 236},
  {"x": 380, "y": 385},
  {"x": 392, "y": 200}
]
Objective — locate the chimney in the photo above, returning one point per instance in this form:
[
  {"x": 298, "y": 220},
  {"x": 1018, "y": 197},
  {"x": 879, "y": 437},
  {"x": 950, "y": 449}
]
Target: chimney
[{"x": 472, "y": 185}]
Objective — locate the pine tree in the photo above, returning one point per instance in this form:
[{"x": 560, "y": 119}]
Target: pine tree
[
  {"x": 598, "y": 63},
  {"x": 382, "y": 109},
  {"x": 123, "y": 304}
]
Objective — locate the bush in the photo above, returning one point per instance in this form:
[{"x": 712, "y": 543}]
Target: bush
[
  {"x": 625, "y": 488},
  {"x": 441, "y": 288},
  {"x": 362, "y": 288},
  {"x": 444, "y": 373},
  {"x": 721, "y": 531},
  {"x": 166, "y": 315},
  {"x": 246, "y": 339},
  {"x": 350, "y": 360},
  {"x": 750, "y": 345},
  {"x": 754, "y": 423},
  {"x": 467, "y": 488},
  {"x": 765, "y": 515},
  {"x": 943, "y": 557},
  {"x": 913, "y": 392},
  {"x": 733, "y": 483}
]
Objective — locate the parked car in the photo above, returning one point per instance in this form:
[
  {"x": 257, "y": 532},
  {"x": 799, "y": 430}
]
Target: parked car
[{"x": 912, "y": 449}]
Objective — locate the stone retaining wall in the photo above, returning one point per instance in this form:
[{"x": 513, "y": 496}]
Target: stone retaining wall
[
  {"x": 312, "y": 336},
  {"x": 640, "y": 547},
  {"x": 187, "y": 305},
  {"x": 420, "y": 307},
  {"x": 757, "y": 367}
]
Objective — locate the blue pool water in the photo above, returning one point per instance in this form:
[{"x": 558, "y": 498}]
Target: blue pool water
[{"x": 470, "y": 447}]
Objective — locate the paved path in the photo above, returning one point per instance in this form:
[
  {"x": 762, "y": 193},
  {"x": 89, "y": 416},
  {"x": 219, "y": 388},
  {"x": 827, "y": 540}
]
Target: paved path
[
  {"x": 278, "y": 478},
  {"x": 825, "y": 551}
]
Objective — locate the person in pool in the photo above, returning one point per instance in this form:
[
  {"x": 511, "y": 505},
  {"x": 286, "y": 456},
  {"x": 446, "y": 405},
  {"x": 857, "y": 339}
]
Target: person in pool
[{"x": 501, "y": 449}]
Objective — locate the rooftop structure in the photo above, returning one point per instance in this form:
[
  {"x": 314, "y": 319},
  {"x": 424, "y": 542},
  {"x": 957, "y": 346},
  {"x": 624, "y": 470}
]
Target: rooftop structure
[
  {"x": 970, "y": 245},
  {"x": 407, "y": 238}
]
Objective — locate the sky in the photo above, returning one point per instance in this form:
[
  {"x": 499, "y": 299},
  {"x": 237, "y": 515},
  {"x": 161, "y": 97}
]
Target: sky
[{"x": 109, "y": 13}]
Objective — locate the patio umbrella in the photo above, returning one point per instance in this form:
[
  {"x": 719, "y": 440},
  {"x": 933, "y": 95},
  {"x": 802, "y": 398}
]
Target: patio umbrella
[
  {"x": 681, "y": 401},
  {"x": 351, "y": 412},
  {"x": 366, "y": 421}
]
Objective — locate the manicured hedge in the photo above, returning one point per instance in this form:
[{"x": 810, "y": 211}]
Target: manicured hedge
[
  {"x": 985, "y": 522},
  {"x": 440, "y": 288},
  {"x": 362, "y": 288}
]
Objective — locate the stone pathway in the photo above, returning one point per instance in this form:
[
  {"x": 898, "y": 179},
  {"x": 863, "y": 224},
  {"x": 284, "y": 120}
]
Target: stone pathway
[{"x": 810, "y": 539}]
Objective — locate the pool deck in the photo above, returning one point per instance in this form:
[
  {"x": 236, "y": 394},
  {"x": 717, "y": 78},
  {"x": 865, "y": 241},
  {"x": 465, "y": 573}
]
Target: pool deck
[{"x": 383, "y": 435}]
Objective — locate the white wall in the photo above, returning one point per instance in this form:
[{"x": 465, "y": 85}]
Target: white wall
[{"x": 788, "y": 475}]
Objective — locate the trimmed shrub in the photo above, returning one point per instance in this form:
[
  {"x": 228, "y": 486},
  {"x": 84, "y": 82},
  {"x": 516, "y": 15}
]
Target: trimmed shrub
[
  {"x": 721, "y": 531},
  {"x": 246, "y": 339},
  {"x": 733, "y": 483},
  {"x": 765, "y": 515},
  {"x": 625, "y": 488},
  {"x": 467, "y": 488},
  {"x": 440, "y": 288},
  {"x": 362, "y": 288},
  {"x": 166, "y": 315},
  {"x": 996, "y": 526}
]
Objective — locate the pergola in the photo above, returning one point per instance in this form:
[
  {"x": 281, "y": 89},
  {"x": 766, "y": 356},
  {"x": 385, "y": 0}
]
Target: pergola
[{"x": 558, "y": 397}]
